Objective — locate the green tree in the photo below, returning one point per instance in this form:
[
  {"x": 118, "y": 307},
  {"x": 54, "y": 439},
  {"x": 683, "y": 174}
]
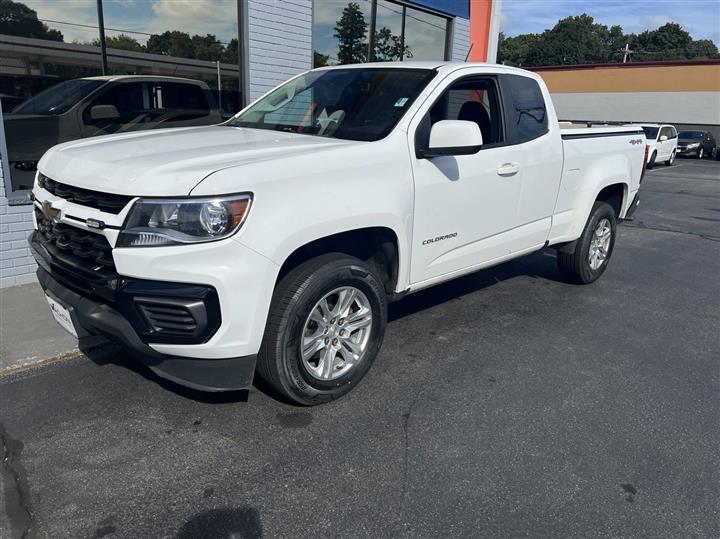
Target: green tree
[
  {"x": 122, "y": 42},
  {"x": 573, "y": 40},
  {"x": 351, "y": 31},
  {"x": 320, "y": 59},
  {"x": 207, "y": 47},
  {"x": 230, "y": 54},
  {"x": 388, "y": 46},
  {"x": 17, "y": 19},
  {"x": 671, "y": 41},
  {"x": 514, "y": 50},
  {"x": 171, "y": 43}
]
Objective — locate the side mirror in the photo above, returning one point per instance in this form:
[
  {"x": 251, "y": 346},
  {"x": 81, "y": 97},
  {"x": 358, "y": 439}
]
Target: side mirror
[
  {"x": 453, "y": 137},
  {"x": 104, "y": 112},
  {"x": 663, "y": 138}
]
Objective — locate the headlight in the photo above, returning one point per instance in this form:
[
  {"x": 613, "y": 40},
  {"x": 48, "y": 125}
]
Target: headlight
[
  {"x": 693, "y": 145},
  {"x": 162, "y": 221}
]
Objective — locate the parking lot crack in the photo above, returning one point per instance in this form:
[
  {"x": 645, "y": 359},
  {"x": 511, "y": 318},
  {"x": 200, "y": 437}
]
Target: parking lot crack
[
  {"x": 16, "y": 491},
  {"x": 406, "y": 450},
  {"x": 643, "y": 226}
]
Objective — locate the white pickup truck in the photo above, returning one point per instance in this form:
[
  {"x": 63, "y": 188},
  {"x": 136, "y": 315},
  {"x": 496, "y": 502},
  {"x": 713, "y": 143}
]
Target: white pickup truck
[{"x": 274, "y": 241}]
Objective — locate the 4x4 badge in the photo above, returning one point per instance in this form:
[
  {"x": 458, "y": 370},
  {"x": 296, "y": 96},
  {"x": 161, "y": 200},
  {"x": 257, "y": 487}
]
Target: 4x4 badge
[{"x": 51, "y": 213}]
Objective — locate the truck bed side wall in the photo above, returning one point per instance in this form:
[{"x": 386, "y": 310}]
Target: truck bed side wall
[{"x": 591, "y": 164}]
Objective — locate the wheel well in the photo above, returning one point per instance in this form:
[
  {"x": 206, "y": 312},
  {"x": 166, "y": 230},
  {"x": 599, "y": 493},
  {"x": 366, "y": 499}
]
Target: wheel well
[
  {"x": 377, "y": 247},
  {"x": 613, "y": 195}
]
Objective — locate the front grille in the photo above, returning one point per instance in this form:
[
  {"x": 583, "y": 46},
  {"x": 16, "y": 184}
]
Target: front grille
[
  {"x": 74, "y": 247},
  {"x": 102, "y": 201}
]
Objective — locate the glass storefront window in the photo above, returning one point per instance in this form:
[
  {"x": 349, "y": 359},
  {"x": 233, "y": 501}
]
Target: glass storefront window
[
  {"x": 341, "y": 32},
  {"x": 48, "y": 49},
  {"x": 425, "y": 35}
]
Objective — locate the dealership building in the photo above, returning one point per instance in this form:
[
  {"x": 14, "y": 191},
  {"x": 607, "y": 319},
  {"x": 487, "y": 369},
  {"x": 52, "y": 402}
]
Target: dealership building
[{"x": 272, "y": 40}]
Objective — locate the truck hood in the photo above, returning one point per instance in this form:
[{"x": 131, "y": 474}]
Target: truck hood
[{"x": 169, "y": 162}]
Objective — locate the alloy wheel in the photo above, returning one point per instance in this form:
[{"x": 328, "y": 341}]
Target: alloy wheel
[
  {"x": 600, "y": 244},
  {"x": 336, "y": 333}
]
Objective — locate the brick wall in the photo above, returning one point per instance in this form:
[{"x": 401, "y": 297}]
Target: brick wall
[
  {"x": 280, "y": 42},
  {"x": 16, "y": 264}
]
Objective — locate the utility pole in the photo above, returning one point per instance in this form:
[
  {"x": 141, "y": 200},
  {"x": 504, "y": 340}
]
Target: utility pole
[
  {"x": 103, "y": 46},
  {"x": 627, "y": 52},
  {"x": 402, "y": 33},
  {"x": 371, "y": 37},
  {"x": 219, "y": 85}
]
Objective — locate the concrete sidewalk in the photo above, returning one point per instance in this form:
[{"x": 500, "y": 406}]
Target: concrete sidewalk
[{"x": 28, "y": 332}]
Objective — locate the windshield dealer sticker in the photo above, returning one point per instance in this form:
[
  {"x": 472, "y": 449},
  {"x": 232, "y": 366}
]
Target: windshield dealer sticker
[{"x": 401, "y": 102}]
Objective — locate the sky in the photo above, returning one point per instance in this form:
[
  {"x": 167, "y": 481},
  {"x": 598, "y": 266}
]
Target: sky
[{"x": 699, "y": 17}]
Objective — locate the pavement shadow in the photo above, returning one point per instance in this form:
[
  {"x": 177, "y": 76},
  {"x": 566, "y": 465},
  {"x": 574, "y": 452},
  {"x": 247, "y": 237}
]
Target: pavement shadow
[
  {"x": 104, "y": 352},
  {"x": 227, "y": 523},
  {"x": 540, "y": 265}
]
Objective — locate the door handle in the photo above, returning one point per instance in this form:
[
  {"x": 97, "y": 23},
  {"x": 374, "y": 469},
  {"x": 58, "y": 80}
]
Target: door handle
[{"x": 508, "y": 169}]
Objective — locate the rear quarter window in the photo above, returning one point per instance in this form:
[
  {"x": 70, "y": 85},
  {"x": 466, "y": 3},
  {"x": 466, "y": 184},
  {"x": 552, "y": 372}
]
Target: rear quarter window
[{"x": 525, "y": 108}]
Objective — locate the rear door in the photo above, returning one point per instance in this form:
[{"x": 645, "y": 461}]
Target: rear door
[
  {"x": 529, "y": 122},
  {"x": 465, "y": 205}
]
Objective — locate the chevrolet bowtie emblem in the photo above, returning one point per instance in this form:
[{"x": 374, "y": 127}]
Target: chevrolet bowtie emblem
[{"x": 51, "y": 213}]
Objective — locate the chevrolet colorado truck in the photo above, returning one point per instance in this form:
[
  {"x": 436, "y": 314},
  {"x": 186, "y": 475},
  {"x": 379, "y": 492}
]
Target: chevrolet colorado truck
[{"x": 273, "y": 242}]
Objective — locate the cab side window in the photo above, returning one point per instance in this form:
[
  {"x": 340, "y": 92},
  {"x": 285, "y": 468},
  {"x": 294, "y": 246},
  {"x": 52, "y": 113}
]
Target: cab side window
[
  {"x": 526, "y": 111},
  {"x": 474, "y": 100}
]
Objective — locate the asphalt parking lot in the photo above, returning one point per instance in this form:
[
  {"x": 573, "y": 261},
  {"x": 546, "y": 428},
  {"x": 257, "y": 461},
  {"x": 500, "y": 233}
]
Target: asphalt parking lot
[{"x": 504, "y": 404}]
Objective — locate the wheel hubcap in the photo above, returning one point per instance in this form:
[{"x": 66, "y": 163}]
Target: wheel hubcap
[
  {"x": 600, "y": 244},
  {"x": 336, "y": 333}
]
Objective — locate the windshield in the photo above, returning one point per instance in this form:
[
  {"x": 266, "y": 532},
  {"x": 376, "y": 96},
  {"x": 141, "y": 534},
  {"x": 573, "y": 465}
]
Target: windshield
[
  {"x": 59, "y": 98},
  {"x": 651, "y": 132},
  {"x": 695, "y": 135},
  {"x": 353, "y": 104}
]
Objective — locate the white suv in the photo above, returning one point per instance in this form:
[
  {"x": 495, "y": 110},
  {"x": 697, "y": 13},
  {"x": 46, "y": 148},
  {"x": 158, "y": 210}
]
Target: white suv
[{"x": 662, "y": 141}]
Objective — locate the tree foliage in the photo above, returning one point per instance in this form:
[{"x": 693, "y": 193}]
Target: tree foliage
[
  {"x": 122, "y": 42},
  {"x": 351, "y": 31},
  {"x": 580, "y": 40},
  {"x": 17, "y": 19}
]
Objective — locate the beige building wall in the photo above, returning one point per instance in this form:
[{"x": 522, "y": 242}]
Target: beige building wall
[{"x": 682, "y": 93}]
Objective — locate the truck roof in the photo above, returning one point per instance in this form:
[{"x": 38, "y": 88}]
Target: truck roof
[
  {"x": 417, "y": 64},
  {"x": 114, "y": 78}
]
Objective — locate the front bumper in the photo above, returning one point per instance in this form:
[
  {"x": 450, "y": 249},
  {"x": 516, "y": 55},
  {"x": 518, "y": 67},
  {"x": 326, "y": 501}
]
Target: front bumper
[
  {"x": 92, "y": 318},
  {"x": 127, "y": 303}
]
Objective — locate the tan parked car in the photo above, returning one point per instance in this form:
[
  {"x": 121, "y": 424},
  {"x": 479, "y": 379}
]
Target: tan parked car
[{"x": 93, "y": 106}]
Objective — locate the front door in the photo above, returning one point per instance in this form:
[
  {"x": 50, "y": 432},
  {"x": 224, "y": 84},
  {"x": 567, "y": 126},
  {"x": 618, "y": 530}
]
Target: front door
[{"x": 465, "y": 205}]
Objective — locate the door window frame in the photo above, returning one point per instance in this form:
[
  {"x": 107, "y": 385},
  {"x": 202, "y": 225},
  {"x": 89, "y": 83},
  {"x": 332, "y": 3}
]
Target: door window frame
[{"x": 421, "y": 136}]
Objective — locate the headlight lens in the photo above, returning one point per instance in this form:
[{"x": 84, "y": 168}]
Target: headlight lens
[
  {"x": 693, "y": 145},
  {"x": 162, "y": 221}
]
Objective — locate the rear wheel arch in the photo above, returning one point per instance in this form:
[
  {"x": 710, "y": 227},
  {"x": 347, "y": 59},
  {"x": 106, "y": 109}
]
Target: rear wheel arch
[{"x": 615, "y": 195}]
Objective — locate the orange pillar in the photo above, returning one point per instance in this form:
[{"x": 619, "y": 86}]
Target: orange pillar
[{"x": 484, "y": 18}]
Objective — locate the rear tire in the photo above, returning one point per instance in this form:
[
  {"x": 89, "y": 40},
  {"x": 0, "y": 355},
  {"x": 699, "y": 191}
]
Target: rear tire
[
  {"x": 651, "y": 163},
  {"x": 588, "y": 261},
  {"x": 670, "y": 161},
  {"x": 308, "y": 312}
]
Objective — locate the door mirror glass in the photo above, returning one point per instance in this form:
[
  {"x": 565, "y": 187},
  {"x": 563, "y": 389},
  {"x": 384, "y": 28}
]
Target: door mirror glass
[
  {"x": 104, "y": 112},
  {"x": 663, "y": 138},
  {"x": 453, "y": 137}
]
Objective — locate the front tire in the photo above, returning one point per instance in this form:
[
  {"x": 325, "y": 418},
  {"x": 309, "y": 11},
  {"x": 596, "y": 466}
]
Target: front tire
[
  {"x": 651, "y": 163},
  {"x": 670, "y": 161},
  {"x": 325, "y": 327},
  {"x": 588, "y": 261}
]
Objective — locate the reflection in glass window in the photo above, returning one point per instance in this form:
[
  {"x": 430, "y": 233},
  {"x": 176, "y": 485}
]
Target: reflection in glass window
[
  {"x": 425, "y": 35},
  {"x": 341, "y": 33},
  {"x": 46, "y": 101}
]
